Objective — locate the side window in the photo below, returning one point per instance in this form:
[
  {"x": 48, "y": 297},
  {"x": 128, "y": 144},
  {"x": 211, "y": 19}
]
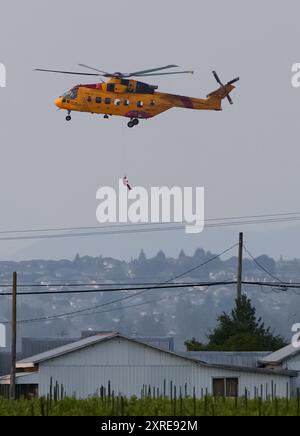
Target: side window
[
  {"x": 110, "y": 87},
  {"x": 140, "y": 104},
  {"x": 107, "y": 100},
  {"x": 232, "y": 387},
  {"x": 126, "y": 102},
  {"x": 72, "y": 94},
  {"x": 226, "y": 387},
  {"x": 219, "y": 387},
  {"x": 89, "y": 99},
  {"x": 117, "y": 102},
  {"x": 98, "y": 100},
  {"x": 152, "y": 103}
]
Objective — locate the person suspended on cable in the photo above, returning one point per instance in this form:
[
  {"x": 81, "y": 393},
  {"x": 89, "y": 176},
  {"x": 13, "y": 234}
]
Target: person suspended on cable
[{"x": 126, "y": 183}]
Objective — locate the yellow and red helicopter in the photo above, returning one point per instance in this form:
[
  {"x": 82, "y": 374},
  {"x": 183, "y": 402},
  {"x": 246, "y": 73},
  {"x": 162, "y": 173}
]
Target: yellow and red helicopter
[{"x": 123, "y": 96}]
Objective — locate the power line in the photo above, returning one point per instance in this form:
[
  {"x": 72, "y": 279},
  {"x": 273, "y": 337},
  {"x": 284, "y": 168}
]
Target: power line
[
  {"x": 137, "y": 304},
  {"x": 282, "y": 285},
  {"x": 148, "y": 302},
  {"x": 147, "y": 288},
  {"x": 261, "y": 266},
  {"x": 58, "y": 229},
  {"x": 74, "y": 285},
  {"x": 88, "y": 234},
  {"x": 158, "y": 286},
  {"x": 118, "y": 229},
  {"x": 82, "y": 312},
  {"x": 76, "y": 314}
]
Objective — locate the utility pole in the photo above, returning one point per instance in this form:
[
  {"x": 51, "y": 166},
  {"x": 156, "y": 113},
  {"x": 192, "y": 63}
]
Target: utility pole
[
  {"x": 240, "y": 267},
  {"x": 12, "y": 393}
]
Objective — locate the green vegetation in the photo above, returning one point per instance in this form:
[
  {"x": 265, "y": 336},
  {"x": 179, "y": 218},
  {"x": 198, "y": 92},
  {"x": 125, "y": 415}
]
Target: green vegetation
[
  {"x": 110, "y": 406},
  {"x": 239, "y": 331}
]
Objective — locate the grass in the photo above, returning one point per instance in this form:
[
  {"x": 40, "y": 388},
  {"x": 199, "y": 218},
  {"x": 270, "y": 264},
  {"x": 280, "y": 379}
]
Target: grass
[{"x": 121, "y": 406}]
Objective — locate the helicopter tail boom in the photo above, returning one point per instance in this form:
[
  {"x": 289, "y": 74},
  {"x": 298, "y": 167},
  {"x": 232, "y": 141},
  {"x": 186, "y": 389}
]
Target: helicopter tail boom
[{"x": 215, "y": 98}]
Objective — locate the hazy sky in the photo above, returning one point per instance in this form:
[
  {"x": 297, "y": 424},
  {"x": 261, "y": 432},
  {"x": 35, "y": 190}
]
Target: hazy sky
[{"x": 246, "y": 157}]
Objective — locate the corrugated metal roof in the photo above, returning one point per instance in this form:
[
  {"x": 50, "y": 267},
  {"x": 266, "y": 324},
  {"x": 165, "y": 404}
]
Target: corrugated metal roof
[
  {"x": 239, "y": 358},
  {"x": 88, "y": 333},
  {"x": 33, "y": 346},
  {"x": 36, "y": 346},
  {"x": 164, "y": 342},
  {"x": 83, "y": 343},
  {"x": 277, "y": 371},
  {"x": 279, "y": 356}
]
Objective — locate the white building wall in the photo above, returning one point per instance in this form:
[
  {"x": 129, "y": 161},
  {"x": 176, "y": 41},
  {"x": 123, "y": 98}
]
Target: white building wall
[
  {"x": 294, "y": 364},
  {"x": 129, "y": 366}
]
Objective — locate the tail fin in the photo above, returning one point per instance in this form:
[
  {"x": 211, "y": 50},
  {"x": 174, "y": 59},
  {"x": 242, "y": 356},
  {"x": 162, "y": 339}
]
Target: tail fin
[{"x": 217, "y": 96}]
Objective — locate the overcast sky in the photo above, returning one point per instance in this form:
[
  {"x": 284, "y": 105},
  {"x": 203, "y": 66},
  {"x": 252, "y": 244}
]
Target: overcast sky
[{"x": 246, "y": 157}]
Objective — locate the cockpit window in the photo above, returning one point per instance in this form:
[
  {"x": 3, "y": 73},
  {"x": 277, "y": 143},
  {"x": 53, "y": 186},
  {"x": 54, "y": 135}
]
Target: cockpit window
[{"x": 72, "y": 94}]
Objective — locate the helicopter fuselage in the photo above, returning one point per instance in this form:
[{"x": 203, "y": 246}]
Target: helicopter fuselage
[{"x": 130, "y": 98}]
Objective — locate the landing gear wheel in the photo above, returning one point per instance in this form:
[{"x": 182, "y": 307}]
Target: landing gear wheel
[
  {"x": 68, "y": 118},
  {"x": 130, "y": 124},
  {"x": 135, "y": 121},
  {"x": 106, "y": 116}
]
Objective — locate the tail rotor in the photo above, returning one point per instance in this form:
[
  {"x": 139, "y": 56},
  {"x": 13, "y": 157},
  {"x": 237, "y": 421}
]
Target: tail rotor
[{"x": 231, "y": 82}]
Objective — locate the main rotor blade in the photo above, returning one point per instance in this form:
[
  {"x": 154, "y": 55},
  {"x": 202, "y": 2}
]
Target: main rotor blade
[
  {"x": 92, "y": 68},
  {"x": 137, "y": 73},
  {"x": 67, "y": 72},
  {"x": 165, "y": 74}
]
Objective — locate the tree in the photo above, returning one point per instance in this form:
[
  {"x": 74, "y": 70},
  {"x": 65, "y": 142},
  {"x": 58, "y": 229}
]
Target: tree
[
  {"x": 241, "y": 331},
  {"x": 142, "y": 257},
  {"x": 182, "y": 256},
  {"x": 267, "y": 262},
  {"x": 194, "y": 345}
]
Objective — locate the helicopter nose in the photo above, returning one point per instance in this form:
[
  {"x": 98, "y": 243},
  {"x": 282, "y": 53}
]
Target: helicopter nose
[{"x": 58, "y": 102}]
